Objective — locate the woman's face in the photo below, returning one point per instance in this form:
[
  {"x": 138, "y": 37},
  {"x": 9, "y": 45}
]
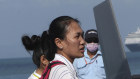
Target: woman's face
[{"x": 73, "y": 43}]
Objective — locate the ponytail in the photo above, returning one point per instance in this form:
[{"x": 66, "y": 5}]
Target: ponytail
[{"x": 33, "y": 44}]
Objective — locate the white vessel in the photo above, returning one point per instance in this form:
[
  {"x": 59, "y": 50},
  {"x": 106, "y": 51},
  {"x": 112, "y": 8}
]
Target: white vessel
[{"x": 132, "y": 41}]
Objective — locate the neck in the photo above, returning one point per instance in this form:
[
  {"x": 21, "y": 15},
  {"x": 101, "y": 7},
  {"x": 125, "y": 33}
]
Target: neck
[
  {"x": 91, "y": 54},
  {"x": 39, "y": 70},
  {"x": 66, "y": 56}
]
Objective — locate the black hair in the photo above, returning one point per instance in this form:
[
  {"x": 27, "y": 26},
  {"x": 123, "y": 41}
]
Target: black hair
[
  {"x": 39, "y": 46},
  {"x": 46, "y": 45},
  {"x": 58, "y": 29}
]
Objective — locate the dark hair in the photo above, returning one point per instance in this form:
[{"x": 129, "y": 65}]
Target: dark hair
[
  {"x": 58, "y": 29},
  {"x": 46, "y": 45},
  {"x": 39, "y": 46}
]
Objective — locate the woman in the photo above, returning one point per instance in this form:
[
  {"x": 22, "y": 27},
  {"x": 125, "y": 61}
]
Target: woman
[
  {"x": 40, "y": 50},
  {"x": 67, "y": 43}
]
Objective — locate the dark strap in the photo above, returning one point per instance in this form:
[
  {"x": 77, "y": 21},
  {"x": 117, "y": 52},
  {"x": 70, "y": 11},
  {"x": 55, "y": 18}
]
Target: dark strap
[{"x": 48, "y": 68}]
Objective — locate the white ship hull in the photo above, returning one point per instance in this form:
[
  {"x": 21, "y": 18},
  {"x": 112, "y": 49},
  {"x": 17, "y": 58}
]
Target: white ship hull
[{"x": 132, "y": 41}]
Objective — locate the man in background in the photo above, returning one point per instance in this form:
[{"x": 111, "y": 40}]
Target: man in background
[{"x": 91, "y": 65}]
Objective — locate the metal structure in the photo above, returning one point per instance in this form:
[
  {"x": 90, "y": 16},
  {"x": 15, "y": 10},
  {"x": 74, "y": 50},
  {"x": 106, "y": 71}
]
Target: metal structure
[{"x": 115, "y": 62}]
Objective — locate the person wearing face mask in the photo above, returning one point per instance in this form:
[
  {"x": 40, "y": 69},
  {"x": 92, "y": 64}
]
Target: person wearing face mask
[{"x": 90, "y": 66}]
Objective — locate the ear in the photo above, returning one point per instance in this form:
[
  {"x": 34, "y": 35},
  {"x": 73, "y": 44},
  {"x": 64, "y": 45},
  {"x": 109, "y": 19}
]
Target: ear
[
  {"x": 43, "y": 61},
  {"x": 58, "y": 43}
]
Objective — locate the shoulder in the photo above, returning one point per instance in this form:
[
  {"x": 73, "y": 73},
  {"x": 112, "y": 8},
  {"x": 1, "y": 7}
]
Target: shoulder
[
  {"x": 60, "y": 71},
  {"x": 100, "y": 60},
  {"x": 32, "y": 77}
]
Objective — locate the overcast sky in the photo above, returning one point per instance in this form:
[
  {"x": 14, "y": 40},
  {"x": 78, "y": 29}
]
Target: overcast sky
[{"x": 18, "y": 17}]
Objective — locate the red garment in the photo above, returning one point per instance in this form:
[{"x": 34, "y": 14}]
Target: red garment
[{"x": 48, "y": 69}]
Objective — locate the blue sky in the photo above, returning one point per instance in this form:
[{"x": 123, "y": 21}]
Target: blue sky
[{"x": 19, "y": 17}]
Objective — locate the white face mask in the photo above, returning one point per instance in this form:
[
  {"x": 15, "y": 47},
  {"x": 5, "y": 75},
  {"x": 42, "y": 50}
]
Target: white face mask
[{"x": 92, "y": 47}]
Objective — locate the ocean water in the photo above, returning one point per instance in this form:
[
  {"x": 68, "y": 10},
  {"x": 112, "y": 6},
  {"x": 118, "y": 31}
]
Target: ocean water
[
  {"x": 134, "y": 62},
  {"x": 18, "y": 68},
  {"x": 21, "y": 68}
]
